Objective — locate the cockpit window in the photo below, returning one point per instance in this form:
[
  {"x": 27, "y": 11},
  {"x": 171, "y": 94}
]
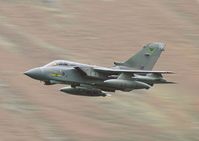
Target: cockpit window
[{"x": 57, "y": 63}]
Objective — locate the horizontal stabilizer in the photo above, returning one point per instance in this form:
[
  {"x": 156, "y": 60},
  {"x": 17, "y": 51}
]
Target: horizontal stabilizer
[{"x": 118, "y": 63}]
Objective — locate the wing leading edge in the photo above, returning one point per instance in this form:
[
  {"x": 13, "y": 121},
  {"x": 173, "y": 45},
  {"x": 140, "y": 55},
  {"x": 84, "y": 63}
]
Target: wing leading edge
[{"x": 119, "y": 71}]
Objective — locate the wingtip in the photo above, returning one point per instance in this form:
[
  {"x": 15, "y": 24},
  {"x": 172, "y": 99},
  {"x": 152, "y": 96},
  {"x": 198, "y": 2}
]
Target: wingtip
[
  {"x": 171, "y": 72},
  {"x": 171, "y": 82},
  {"x": 165, "y": 72}
]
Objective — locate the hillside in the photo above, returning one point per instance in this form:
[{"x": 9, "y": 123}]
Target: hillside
[{"x": 35, "y": 32}]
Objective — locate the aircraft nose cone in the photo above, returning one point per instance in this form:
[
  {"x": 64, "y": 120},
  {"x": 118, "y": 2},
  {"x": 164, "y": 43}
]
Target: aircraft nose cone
[{"x": 35, "y": 73}]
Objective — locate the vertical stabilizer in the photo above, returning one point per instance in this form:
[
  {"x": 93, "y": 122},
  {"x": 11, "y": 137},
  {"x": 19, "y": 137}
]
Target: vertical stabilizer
[{"x": 146, "y": 58}]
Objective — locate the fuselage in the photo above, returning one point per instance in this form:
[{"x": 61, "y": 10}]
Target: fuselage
[
  {"x": 135, "y": 73},
  {"x": 63, "y": 72},
  {"x": 67, "y": 72}
]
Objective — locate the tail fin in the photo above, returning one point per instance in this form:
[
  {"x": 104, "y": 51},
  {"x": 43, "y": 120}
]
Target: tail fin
[{"x": 146, "y": 58}]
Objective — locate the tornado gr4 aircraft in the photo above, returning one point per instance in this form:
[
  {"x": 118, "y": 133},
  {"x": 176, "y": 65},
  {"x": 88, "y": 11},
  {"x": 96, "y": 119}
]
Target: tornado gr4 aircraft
[{"x": 90, "y": 80}]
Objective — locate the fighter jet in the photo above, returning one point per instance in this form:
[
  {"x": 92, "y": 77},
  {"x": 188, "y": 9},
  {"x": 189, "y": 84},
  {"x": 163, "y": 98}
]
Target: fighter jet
[{"x": 91, "y": 80}]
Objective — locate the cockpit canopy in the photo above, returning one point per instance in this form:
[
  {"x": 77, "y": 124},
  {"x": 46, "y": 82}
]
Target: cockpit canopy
[
  {"x": 64, "y": 63},
  {"x": 58, "y": 63}
]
